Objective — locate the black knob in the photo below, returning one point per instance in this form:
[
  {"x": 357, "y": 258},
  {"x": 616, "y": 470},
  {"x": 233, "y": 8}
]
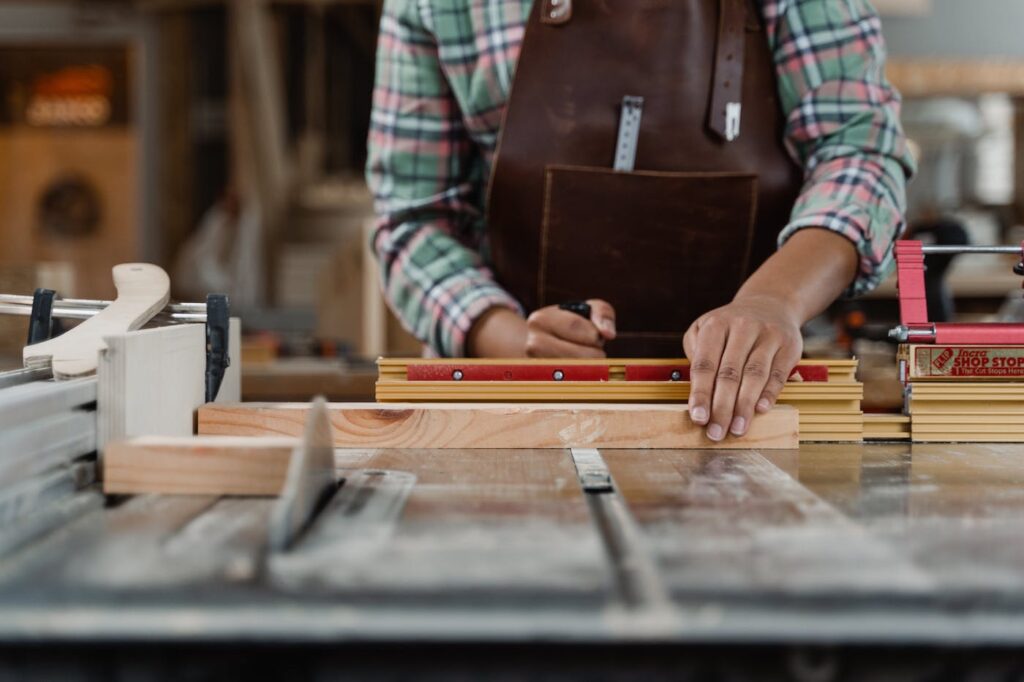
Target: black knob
[{"x": 581, "y": 308}]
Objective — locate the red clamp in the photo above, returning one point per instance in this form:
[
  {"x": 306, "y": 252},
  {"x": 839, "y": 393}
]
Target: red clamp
[
  {"x": 914, "y": 325},
  {"x": 511, "y": 372}
]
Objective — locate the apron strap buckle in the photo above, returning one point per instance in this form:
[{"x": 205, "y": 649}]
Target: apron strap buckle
[
  {"x": 727, "y": 82},
  {"x": 556, "y": 12}
]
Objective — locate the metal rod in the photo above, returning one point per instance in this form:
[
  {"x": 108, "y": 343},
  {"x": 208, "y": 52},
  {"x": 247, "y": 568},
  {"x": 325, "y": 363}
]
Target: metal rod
[
  {"x": 86, "y": 313},
  {"x": 937, "y": 250},
  {"x": 83, "y": 303},
  {"x": 18, "y": 377}
]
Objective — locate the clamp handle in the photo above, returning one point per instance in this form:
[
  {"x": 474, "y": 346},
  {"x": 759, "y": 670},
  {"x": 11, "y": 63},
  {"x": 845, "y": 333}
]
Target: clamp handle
[
  {"x": 41, "y": 325},
  {"x": 218, "y": 321}
]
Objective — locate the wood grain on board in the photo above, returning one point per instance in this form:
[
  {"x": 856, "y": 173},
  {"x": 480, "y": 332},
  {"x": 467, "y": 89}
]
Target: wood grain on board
[
  {"x": 466, "y": 425},
  {"x": 829, "y": 411},
  {"x": 197, "y": 465}
]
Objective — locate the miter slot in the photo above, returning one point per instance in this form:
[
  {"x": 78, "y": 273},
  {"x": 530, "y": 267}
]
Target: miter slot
[
  {"x": 638, "y": 583},
  {"x": 591, "y": 470}
]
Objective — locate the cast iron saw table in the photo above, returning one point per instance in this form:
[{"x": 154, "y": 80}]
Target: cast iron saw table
[{"x": 815, "y": 564}]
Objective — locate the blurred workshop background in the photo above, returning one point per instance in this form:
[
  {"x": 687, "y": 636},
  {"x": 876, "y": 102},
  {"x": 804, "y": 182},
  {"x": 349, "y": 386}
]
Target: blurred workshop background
[{"x": 225, "y": 141}]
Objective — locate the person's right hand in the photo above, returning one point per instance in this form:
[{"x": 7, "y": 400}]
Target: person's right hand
[{"x": 555, "y": 333}]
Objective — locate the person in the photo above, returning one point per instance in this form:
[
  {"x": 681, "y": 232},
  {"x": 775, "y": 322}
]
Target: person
[{"x": 715, "y": 172}]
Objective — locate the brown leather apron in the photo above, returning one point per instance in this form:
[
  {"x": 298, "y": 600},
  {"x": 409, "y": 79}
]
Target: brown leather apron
[{"x": 678, "y": 235}]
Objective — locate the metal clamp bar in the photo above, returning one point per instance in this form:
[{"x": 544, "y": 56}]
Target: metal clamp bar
[
  {"x": 907, "y": 334},
  {"x": 82, "y": 313},
  {"x": 18, "y": 377},
  {"x": 952, "y": 250},
  {"x": 95, "y": 305}
]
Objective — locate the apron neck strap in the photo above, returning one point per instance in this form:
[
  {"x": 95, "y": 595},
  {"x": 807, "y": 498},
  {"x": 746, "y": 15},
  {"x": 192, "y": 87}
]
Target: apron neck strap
[
  {"x": 726, "y": 109},
  {"x": 727, "y": 82}
]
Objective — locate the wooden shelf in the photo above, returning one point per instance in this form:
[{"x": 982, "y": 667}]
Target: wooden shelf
[
  {"x": 967, "y": 280},
  {"x": 300, "y": 379},
  {"x": 956, "y": 77}
]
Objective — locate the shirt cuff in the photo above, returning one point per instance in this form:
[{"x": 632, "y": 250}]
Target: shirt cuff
[
  {"x": 854, "y": 223},
  {"x": 472, "y": 300}
]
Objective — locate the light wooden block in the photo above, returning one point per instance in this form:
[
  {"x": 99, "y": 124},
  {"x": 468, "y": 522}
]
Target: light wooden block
[
  {"x": 151, "y": 382},
  {"x": 210, "y": 465},
  {"x": 468, "y": 425}
]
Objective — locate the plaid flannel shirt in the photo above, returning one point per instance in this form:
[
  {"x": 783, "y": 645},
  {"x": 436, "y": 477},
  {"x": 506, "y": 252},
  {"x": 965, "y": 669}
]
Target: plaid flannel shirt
[{"x": 444, "y": 70}]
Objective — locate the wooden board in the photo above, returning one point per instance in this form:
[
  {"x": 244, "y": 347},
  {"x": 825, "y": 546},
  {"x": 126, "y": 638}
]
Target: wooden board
[
  {"x": 142, "y": 291},
  {"x": 886, "y": 427},
  {"x": 837, "y": 404},
  {"x": 967, "y": 412},
  {"x": 207, "y": 465},
  {"x": 930, "y": 77},
  {"x": 299, "y": 379},
  {"x": 464, "y": 425},
  {"x": 830, "y": 411}
]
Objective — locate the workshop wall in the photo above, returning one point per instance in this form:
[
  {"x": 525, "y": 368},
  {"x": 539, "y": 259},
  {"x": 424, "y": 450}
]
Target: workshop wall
[
  {"x": 235, "y": 159},
  {"x": 978, "y": 28}
]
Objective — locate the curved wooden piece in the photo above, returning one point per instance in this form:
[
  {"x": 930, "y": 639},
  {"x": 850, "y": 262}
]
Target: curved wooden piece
[{"x": 142, "y": 291}]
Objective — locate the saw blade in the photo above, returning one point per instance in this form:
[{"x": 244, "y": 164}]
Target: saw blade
[{"x": 310, "y": 482}]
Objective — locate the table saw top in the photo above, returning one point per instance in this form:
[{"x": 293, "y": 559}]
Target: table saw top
[{"x": 831, "y": 543}]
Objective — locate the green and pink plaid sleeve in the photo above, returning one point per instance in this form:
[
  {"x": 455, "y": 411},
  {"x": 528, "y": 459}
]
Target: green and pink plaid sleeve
[{"x": 444, "y": 70}]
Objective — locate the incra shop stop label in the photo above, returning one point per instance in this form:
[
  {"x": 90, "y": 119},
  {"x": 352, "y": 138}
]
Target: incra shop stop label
[{"x": 977, "y": 362}]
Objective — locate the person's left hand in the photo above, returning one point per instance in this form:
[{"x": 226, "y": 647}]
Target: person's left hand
[{"x": 740, "y": 357}]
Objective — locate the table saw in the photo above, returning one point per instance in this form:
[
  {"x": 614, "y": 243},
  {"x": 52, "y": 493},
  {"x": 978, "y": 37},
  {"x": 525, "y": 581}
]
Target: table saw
[
  {"x": 862, "y": 547},
  {"x": 818, "y": 561}
]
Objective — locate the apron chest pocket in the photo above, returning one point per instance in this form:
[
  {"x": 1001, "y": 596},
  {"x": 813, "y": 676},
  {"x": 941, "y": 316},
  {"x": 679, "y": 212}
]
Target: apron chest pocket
[{"x": 662, "y": 247}]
